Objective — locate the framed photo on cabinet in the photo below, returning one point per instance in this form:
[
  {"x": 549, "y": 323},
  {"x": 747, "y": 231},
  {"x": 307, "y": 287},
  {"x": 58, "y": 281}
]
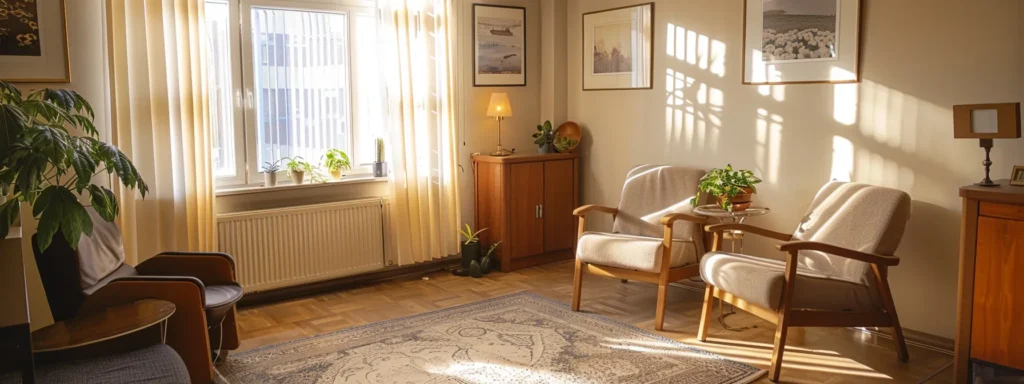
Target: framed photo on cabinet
[
  {"x": 618, "y": 48},
  {"x": 499, "y": 46},
  {"x": 34, "y": 42},
  {"x": 800, "y": 41}
]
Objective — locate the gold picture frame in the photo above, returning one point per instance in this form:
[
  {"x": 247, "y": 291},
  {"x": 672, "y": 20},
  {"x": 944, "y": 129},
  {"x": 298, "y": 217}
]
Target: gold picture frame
[
  {"x": 1017, "y": 176},
  {"x": 36, "y": 49}
]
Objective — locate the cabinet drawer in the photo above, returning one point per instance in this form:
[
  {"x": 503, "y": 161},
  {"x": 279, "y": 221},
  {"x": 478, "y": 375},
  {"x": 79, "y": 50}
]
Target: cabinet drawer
[{"x": 1002, "y": 211}]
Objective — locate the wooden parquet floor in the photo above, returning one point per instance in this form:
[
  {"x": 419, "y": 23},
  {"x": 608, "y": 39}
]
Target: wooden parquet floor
[{"x": 813, "y": 355}]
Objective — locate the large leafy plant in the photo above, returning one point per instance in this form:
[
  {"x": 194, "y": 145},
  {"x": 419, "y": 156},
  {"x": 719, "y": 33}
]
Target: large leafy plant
[
  {"x": 726, "y": 183},
  {"x": 544, "y": 135},
  {"x": 336, "y": 159},
  {"x": 43, "y": 164}
]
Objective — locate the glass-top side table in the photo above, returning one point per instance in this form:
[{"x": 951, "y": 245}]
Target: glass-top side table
[{"x": 729, "y": 217}]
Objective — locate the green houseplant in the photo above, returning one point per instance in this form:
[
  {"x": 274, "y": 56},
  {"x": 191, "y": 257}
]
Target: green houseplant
[
  {"x": 297, "y": 169},
  {"x": 380, "y": 168},
  {"x": 565, "y": 144},
  {"x": 270, "y": 173},
  {"x": 44, "y": 165},
  {"x": 336, "y": 161},
  {"x": 733, "y": 188},
  {"x": 470, "y": 245},
  {"x": 544, "y": 137}
]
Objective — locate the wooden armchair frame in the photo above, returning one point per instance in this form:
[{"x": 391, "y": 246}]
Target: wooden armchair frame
[
  {"x": 661, "y": 278},
  {"x": 786, "y": 316}
]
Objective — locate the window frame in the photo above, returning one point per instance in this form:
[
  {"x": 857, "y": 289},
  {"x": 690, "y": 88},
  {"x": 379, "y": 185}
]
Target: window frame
[
  {"x": 238, "y": 116},
  {"x": 243, "y": 55}
]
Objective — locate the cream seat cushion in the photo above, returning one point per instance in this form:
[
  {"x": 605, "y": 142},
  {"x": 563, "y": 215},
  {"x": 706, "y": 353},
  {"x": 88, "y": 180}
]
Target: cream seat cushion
[
  {"x": 632, "y": 252},
  {"x": 759, "y": 281}
]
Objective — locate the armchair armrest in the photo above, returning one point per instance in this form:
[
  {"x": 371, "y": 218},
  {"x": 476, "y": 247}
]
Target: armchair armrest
[
  {"x": 747, "y": 228},
  {"x": 186, "y": 330},
  {"x": 671, "y": 218},
  {"x": 211, "y": 269},
  {"x": 582, "y": 211},
  {"x": 223, "y": 255},
  {"x": 795, "y": 246}
]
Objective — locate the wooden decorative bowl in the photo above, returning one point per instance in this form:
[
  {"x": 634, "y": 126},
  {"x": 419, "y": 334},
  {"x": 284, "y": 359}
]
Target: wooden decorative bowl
[{"x": 572, "y": 131}]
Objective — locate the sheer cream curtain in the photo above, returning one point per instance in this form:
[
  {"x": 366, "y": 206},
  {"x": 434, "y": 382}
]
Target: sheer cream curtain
[
  {"x": 418, "y": 39},
  {"x": 161, "y": 120}
]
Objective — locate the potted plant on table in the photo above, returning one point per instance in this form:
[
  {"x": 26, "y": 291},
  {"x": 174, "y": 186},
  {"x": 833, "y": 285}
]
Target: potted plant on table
[
  {"x": 270, "y": 173},
  {"x": 380, "y": 168},
  {"x": 544, "y": 137},
  {"x": 44, "y": 165},
  {"x": 734, "y": 188},
  {"x": 336, "y": 161}
]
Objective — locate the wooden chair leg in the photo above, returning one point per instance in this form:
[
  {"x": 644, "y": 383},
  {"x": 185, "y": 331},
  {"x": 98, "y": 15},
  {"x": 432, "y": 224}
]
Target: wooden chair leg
[
  {"x": 705, "y": 313},
  {"x": 890, "y": 308},
  {"x": 577, "y": 285},
  {"x": 624, "y": 281},
  {"x": 780, "y": 346},
  {"x": 659, "y": 316}
]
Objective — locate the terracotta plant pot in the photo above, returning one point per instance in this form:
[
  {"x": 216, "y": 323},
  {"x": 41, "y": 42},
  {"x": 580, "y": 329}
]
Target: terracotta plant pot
[
  {"x": 336, "y": 174},
  {"x": 297, "y": 176},
  {"x": 741, "y": 202}
]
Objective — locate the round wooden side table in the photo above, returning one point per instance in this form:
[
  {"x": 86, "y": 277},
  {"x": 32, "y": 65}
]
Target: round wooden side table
[{"x": 110, "y": 323}]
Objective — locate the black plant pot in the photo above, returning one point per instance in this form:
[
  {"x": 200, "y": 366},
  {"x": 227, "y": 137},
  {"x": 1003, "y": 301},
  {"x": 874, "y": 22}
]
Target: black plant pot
[{"x": 470, "y": 253}]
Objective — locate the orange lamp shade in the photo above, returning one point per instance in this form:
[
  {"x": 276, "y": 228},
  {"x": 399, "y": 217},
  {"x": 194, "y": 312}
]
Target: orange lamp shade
[{"x": 499, "y": 106}]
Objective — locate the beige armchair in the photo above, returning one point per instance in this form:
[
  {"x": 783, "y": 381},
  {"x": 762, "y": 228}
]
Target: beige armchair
[
  {"x": 654, "y": 237},
  {"x": 835, "y": 272}
]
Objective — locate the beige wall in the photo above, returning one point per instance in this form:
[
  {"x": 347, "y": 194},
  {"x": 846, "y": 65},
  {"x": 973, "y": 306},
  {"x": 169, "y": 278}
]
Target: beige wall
[
  {"x": 919, "y": 58},
  {"x": 479, "y": 133}
]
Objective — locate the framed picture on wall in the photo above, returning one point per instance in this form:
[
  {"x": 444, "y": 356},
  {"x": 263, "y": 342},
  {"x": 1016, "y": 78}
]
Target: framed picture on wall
[
  {"x": 617, "y": 48},
  {"x": 499, "y": 45},
  {"x": 34, "y": 42},
  {"x": 801, "y": 41}
]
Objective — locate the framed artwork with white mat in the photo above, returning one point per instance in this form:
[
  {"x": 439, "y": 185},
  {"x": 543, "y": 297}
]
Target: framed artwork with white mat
[
  {"x": 801, "y": 41},
  {"x": 617, "y": 48}
]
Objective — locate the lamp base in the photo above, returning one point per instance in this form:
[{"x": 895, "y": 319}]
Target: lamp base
[
  {"x": 987, "y": 183},
  {"x": 501, "y": 152}
]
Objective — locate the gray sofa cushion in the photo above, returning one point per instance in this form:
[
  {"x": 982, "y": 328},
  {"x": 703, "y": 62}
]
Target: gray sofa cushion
[{"x": 157, "y": 364}]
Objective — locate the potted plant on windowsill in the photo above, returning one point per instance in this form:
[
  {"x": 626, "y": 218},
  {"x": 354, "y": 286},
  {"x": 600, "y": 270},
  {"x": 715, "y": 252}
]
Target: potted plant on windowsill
[
  {"x": 297, "y": 168},
  {"x": 734, "y": 189},
  {"x": 380, "y": 168},
  {"x": 44, "y": 165},
  {"x": 336, "y": 162},
  {"x": 270, "y": 173},
  {"x": 544, "y": 138}
]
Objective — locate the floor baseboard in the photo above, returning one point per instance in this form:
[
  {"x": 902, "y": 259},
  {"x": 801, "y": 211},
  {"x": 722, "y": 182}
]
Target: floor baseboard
[
  {"x": 264, "y": 297},
  {"x": 915, "y": 338}
]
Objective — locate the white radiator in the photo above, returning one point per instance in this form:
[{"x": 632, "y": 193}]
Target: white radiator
[{"x": 276, "y": 248}]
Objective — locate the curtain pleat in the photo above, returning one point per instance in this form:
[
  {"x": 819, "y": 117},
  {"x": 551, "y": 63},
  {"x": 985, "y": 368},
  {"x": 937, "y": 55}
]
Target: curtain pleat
[
  {"x": 161, "y": 120},
  {"x": 418, "y": 38}
]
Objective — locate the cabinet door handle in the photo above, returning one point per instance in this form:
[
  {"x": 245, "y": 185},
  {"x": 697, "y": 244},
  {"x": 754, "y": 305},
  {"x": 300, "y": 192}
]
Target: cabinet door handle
[
  {"x": 536, "y": 211},
  {"x": 541, "y": 210}
]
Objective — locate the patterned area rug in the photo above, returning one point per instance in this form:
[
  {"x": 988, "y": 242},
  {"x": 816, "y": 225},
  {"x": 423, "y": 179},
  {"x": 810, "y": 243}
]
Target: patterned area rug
[{"x": 519, "y": 338}]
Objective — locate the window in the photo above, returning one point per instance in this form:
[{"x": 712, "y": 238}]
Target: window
[{"x": 296, "y": 67}]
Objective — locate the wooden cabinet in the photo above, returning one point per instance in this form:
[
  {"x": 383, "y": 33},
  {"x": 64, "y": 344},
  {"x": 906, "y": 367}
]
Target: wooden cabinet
[
  {"x": 990, "y": 312},
  {"x": 526, "y": 202}
]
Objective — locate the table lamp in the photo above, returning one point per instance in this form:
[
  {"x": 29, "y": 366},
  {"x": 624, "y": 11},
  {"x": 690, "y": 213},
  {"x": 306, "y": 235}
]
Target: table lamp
[
  {"x": 499, "y": 109},
  {"x": 986, "y": 122}
]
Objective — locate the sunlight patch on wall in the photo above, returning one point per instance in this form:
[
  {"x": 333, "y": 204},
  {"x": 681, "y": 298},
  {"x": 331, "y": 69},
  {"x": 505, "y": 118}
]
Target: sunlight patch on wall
[
  {"x": 888, "y": 116},
  {"x": 692, "y": 113},
  {"x": 842, "y": 159},
  {"x": 769, "y": 143},
  {"x": 696, "y": 49}
]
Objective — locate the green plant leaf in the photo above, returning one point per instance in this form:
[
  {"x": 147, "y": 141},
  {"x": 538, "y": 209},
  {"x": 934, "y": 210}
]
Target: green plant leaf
[
  {"x": 118, "y": 163},
  {"x": 8, "y": 214},
  {"x": 61, "y": 211},
  {"x": 103, "y": 202},
  {"x": 80, "y": 154},
  {"x": 30, "y": 173},
  {"x": 12, "y": 125}
]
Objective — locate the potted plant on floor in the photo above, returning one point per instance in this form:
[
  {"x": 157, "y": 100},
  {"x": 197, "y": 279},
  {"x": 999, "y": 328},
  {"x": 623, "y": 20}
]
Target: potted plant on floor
[
  {"x": 44, "y": 165},
  {"x": 270, "y": 173},
  {"x": 488, "y": 262},
  {"x": 470, "y": 246},
  {"x": 734, "y": 189},
  {"x": 544, "y": 137},
  {"x": 380, "y": 168},
  {"x": 336, "y": 162}
]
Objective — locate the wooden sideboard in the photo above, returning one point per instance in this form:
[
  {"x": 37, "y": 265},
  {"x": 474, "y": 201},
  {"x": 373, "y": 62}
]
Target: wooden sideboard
[
  {"x": 526, "y": 202},
  {"x": 990, "y": 307}
]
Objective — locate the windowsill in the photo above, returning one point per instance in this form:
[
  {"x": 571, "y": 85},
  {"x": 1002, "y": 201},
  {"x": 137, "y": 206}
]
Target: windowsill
[{"x": 244, "y": 190}]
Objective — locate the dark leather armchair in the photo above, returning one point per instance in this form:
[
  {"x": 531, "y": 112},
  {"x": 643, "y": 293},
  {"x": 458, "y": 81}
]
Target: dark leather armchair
[{"x": 201, "y": 285}]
